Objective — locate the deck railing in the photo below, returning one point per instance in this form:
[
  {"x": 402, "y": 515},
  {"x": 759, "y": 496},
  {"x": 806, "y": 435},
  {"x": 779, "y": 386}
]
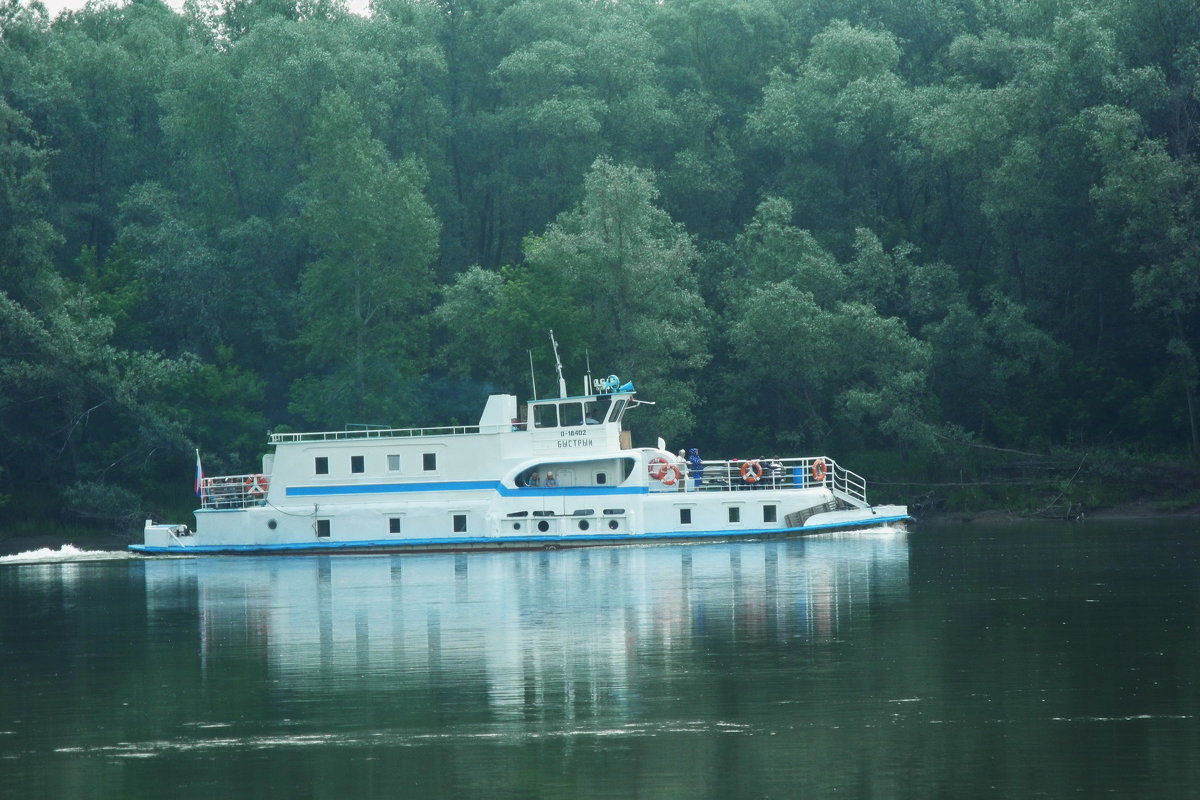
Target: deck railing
[
  {"x": 775, "y": 473},
  {"x": 233, "y": 491},
  {"x": 378, "y": 433}
]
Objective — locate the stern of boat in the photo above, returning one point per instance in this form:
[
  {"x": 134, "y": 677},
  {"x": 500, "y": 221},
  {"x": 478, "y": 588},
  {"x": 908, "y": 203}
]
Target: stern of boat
[{"x": 162, "y": 535}]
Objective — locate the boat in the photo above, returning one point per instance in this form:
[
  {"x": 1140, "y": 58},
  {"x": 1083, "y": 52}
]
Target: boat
[{"x": 549, "y": 473}]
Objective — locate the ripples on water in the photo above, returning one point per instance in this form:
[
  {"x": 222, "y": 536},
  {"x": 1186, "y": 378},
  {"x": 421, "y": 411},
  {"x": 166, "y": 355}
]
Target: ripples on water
[{"x": 958, "y": 663}]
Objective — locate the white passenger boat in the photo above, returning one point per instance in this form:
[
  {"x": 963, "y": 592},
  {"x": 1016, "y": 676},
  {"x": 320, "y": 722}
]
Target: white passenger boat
[{"x": 550, "y": 473}]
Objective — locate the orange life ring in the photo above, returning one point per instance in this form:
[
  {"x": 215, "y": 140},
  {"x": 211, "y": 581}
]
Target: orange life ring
[
  {"x": 670, "y": 475},
  {"x": 752, "y": 472},
  {"x": 256, "y": 485},
  {"x": 819, "y": 471},
  {"x": 658, "y": 467}
]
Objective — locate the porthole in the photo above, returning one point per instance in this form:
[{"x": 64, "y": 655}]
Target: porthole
[
  {"x": 516, "y": 526},
  {"x": 543, "y": 526},
  {"x": 272, "y": 524},
  {"x": 613, "y": 524},
  {"x": 583, "y": 525}
]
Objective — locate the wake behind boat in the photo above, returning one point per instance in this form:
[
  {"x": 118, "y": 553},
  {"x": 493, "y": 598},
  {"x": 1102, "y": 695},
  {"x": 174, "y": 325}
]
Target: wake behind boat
[{"x": 549, "y": 473}]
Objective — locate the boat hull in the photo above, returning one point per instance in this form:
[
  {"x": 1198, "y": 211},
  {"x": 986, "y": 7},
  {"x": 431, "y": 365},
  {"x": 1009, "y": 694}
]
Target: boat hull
[{"x": 166, "y": 539}]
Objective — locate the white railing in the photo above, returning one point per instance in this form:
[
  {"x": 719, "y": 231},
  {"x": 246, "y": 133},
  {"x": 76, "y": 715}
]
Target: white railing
[
  {"x": 233, "y": 491},
  {"x": 776, "y": 473},
  {"x": 375, "y": 433}
]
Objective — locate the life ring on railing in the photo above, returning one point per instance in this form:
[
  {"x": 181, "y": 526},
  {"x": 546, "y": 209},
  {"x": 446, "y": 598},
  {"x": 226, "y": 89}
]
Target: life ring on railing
[
  {"x": 256, "y": 485},
  {"x": 819, "y": 470},
  {"x": 658, "y": 467},
  {"x": 752, "y": 472},
  {"x": 670, "y": 475}
]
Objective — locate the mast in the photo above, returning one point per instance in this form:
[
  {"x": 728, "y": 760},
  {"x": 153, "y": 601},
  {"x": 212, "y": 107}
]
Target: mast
[{"x": 562, "y": 385}]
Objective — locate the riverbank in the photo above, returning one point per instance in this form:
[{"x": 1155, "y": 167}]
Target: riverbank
[{"x": 1137, "y": 510}]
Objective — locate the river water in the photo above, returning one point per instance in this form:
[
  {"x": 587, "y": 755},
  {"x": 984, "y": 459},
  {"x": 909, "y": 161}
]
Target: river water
[{"x": 1007, "y": 661}]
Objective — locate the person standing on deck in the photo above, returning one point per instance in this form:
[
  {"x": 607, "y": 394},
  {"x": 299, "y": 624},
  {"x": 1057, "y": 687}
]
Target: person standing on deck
[
  {"x": 695, "y": 466},
  {"x": 681, "y": 464}
]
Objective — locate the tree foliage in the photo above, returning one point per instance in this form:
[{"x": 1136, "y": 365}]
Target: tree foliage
[{"x": 857, "y": 225}]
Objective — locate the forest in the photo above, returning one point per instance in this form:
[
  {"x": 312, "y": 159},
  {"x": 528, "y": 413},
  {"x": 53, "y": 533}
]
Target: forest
[{"x": 953, "y": 244}]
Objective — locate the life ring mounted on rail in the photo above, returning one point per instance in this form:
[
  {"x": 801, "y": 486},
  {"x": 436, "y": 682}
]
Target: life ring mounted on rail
[
  {"x": 819, "y": 470},
  {"x": 661, "y": 469},
  {"x": 658, "y": 467},
  {"x": 256, "y": 485},
  {"x": 752, "y": 472},
  {"x": 670, "y": 475}
]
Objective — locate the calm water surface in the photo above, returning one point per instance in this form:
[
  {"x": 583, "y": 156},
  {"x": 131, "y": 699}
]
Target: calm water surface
[{"x": 1014, "y": 661}]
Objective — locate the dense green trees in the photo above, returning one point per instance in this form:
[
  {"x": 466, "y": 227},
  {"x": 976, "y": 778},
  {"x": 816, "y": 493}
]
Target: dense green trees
[{"x": 856, "y": 226}]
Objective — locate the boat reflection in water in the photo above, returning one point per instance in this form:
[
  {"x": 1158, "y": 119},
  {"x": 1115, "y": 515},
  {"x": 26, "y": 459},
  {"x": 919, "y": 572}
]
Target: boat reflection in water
[{"x": 514, "y": 625}]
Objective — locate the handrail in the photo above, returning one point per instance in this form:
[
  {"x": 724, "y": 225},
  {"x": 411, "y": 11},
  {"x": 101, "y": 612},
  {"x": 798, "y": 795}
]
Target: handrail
[
  {"x": 375, "y": 433},
  {"x": 233, "y": 491},
  {"x": 790, "y": 473}
]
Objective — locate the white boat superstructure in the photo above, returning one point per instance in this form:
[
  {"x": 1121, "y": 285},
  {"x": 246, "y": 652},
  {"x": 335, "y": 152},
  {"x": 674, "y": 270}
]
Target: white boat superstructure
[{"x": 550, "y": 473}]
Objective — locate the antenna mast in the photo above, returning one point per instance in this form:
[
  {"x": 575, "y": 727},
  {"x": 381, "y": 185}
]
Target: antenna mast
[
  {"x": 532, "y": 376},
  {"x": 562, "y": 385}
]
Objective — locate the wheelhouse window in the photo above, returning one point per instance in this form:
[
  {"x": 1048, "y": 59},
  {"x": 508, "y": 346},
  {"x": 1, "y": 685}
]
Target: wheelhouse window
[
  {"x": 429, "y": 462},
  {"x": 617, "y": 409},
  {"x": 570, "y": 414},
  {"x": 322, "y": 529},
  {"x": 321, "y": 465},
  {"x": 357, "y": 464},
  {"x": 393, "y": 463},
  {"x": 545, "y": 416}
]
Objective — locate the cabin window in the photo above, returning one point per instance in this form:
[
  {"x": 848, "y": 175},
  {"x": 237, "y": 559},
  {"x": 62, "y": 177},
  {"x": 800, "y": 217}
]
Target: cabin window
[
  {"x": 545, "y": 416},
  {"x": 685, "y": 516},
  {"x": 393, "y": 463},
  {"x": 735, "y": 514},
  {"x": 393, "y": 525},
  {"x": 613, "y": 511},
  {"x": 769, "y": 514},
  {"x": 321, "y": 465},
  {"x": 584, "y": 512},
  {"x": 570, "y": 414},
  {"x": 601, "y": 479},
  {"x": 429, "y": 461},
  {"x": 357, "y": 464},
  {"x": 322, "y": 529},
  {"x": 460, "y": 523}
]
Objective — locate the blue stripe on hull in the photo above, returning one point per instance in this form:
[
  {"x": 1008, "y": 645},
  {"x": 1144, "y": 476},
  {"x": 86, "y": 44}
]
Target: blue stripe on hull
[
  {"x": 502, "y": 542},
  {"x": 499, "y": 488}
]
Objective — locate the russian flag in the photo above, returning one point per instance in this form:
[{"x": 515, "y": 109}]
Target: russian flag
[{"x": 199, "y": 476}]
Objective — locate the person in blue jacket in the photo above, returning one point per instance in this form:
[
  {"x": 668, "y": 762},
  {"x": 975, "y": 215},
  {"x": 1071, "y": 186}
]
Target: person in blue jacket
[{"x": 695, "y": 466}]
